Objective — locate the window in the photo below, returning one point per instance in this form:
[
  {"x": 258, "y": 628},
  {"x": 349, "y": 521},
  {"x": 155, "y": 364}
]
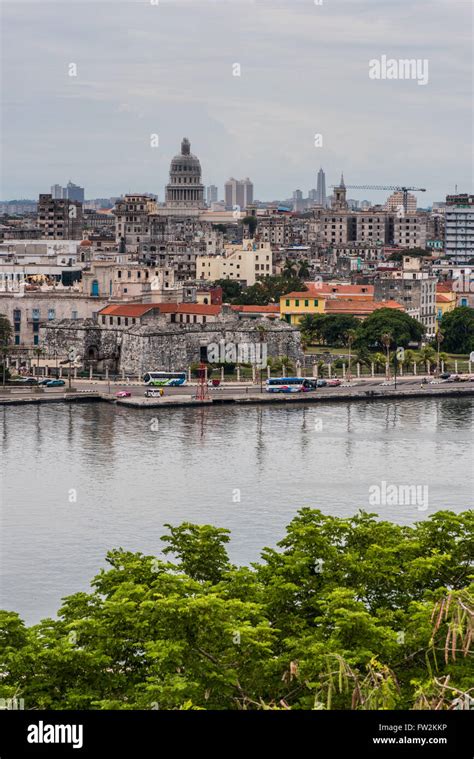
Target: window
[
  {"x": 35, "y": 313},
  {"x": 119, "y": 320},
  {"x": 103, "y": 319},
  {"x": 315, "y": 302},
  {"x": 111, "y": 319},
  {"x": 119, "y": 274},
  {"x": 51, "y": 313},
  {"x": 306, "y": 302},
  {"x": 17, "y": 326},
  {"x": 35, "y": 326},
  {"x": 287, "y": 302},
  {"x": 126, "y": 321},
  {"x": 17, "y": 339},
  {"x": 297, "y": 303},
  {"x": 36, "y": 340},
  {"x": 16, "y": 315}
]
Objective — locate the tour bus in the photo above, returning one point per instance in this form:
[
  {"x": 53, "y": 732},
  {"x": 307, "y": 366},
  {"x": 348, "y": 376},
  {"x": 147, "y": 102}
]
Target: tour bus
[
  {"x": 165, "y": 379},
  {"x": 290, "y": 385}
]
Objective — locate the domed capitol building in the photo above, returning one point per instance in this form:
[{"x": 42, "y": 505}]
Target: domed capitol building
[{"x": 185, "y": 190}]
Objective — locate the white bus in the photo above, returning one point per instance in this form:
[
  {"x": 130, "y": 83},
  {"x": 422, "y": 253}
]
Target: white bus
[
  {"x": 165, "y": 379},
  {"x": 290, "y": 385}
]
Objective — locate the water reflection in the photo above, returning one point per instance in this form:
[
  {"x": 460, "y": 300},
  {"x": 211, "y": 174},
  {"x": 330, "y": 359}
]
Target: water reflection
[{"x": 135, "y": 470}]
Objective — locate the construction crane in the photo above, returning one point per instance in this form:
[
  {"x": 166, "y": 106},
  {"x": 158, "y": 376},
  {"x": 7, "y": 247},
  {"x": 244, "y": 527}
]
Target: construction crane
[{"x": 394, "y": 188}]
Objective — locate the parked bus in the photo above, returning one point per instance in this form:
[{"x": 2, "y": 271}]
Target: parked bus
[
  {"x": 290, "y": 385},
  {"x": 165, "y": 379}
]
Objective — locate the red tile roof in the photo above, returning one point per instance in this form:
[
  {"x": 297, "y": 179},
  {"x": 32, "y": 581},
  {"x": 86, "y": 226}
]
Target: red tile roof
[
  {"x": 272, "y": 308},
  {"x": 188, "y": 308},
  {"x": 339, "y": 289},
  {"x": 356, "y": 307},
  {"x": 127, "y": 309}
]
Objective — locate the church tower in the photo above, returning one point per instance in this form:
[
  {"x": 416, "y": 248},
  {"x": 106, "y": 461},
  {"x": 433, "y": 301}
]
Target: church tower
[{"x": 340, "y": 203}]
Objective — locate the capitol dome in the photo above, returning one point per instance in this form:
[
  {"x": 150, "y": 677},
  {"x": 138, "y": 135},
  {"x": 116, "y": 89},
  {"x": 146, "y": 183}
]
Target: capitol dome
[{"x": 185, "y": 189}]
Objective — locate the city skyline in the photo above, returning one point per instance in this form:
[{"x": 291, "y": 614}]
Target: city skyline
[{"x": 98, "y": 124}]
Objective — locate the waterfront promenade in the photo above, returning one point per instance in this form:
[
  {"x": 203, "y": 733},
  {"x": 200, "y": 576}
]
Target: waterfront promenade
[{"x": 233, "y": 393}]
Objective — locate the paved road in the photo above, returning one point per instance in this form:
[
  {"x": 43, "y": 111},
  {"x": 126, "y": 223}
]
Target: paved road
[{"x": 235, "y": 389}]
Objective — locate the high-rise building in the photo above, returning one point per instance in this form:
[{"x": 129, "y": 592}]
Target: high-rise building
[
  {"x": 211, "y": 194},
  {"x": 459, "y": 228},
  {"x": 73, "y": 192},
  {"x": 59, "y": 219},
  {"x": 321, "y": 189},
  {"x": 70, "y": 192},
  {"x": 298, "y": 200},
  {"x": 395, "y": 203},
  {"x": 238, "y": 192},
  {"x": 184, "y": 189}
]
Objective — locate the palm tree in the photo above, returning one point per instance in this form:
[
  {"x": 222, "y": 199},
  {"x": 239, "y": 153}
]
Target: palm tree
[
  {"x": 379, "y": 359},
  {"x": 289, "y": 268},
  {"x": 38, "y": 352},
  {"x": 387, "y": 341},
  {"x": 303, "y": 271},
  {"x": 350, "y": 336},
  {"x": 439, "y": 340},
  {"x": 427, "y": 354}
]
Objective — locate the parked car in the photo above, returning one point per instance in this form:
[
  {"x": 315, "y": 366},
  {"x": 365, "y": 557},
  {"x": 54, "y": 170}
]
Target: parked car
[
  {"x": 123, "y": 394},
  {"x": 321, "y": 383},
  {"x": 154, "y": 392},
  {"x": 44, "y": 381},
  {"x": 23, "y": 381},
  {"x": 55, "y": 383},
  {"x": 333, "y": 382},
  {"x": 445, "y": 375}
]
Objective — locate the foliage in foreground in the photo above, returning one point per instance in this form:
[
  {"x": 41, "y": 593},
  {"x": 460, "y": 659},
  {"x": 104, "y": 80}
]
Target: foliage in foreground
[{"x": 350, "y": 613}]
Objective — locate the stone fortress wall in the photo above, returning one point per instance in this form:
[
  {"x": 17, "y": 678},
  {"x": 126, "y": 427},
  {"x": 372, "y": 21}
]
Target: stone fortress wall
[{"x": 159, "y": 345}]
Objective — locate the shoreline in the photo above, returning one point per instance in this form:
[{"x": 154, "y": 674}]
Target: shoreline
[{"x": 336, "y": 396}]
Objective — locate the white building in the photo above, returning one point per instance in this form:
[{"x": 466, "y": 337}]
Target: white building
[
  {"x": 395, "y": 203},
  {"x": 459, "y": 231},
  {"x": 245, "y": 263}
]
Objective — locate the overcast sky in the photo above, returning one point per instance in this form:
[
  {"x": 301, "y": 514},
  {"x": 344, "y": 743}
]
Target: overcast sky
[{"x": 167, "y": 69}]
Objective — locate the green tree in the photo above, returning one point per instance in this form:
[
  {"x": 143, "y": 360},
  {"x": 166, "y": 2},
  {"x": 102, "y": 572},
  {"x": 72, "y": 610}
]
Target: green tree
[
  {"x": 252, "y": 222},
  {"x": 457, "y": 327},
  {"x": 310, "y": 326},
  {"x": 304, "y": 269},
  {"x": 200, "y": 550},
  {"x": 5, "y": 346},
  {"x": 290, "y": 268},
  {"x": 231, "y": 289},
  {"x": 402, "y": 328},
  {"x": 345, "y": 613},
  {"x": 269, "y": 290},
  {"x": 336, "y": 328}
]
